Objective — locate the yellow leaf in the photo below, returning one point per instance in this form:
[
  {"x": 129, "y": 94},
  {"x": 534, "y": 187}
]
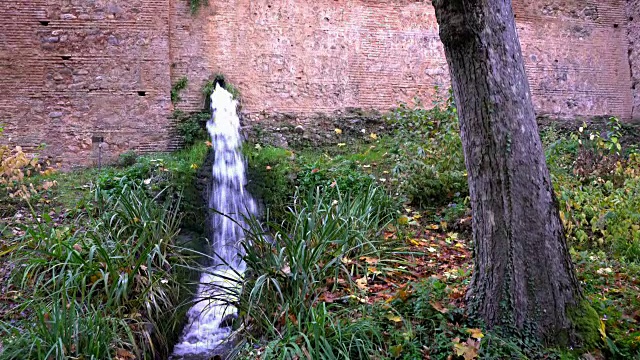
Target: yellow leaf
[
  {"x": 347, "y": 261},
  {"x": 362, "y": 283},
  {"x": 373, "y": 136},
  {"x": 341, "y": 144},
  {"x": 602, "y": 330},
  {"x": 475, "y": 333},
  {"x": 396, "y": 350},
  {"x": 338, "y": 131},
  {"x": 394, "y": 318},
  {"x": 403, "y": 220}
]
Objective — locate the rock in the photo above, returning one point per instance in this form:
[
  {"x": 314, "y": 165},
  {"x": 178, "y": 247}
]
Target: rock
[
  {"x": 299, "y": 129},
  {"x": 55, "y": 114},
  {"x": 67, "y": 17}
]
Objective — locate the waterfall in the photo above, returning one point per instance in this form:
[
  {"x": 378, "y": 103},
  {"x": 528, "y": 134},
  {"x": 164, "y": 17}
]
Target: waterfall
[{"x": 206, "y": 328}]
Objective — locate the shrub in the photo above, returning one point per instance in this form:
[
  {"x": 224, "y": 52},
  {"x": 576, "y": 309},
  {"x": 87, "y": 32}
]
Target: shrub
[
  {"x": 128, "y": 158},
  {"x": 191, "y": 127},
  {"x": 597, "y": 182},
  {"x": 429, "y": 159}
]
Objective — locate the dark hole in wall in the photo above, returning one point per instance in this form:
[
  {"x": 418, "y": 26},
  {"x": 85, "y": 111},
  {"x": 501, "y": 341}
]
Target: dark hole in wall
[
  {"x": 615, "y": 26},
  {"x": 66, "y": 57},
  {"x": 44, "y": 22},
  {"x": 219, "y": 80},
  {"x": 97, "y": 139},
  {"x": 142, "y": 93},
  {"x": 631, "y": 18}
]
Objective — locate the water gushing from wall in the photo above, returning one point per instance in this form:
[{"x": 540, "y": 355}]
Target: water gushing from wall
[{"x": 207, "y": 327}]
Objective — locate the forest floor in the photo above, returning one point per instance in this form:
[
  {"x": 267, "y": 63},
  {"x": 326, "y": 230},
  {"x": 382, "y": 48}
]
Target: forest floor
[{"x": 381, "y": 271}]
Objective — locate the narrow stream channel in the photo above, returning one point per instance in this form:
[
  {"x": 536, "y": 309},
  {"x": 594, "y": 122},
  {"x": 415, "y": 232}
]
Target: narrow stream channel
[{"x": 207, "y": 328}]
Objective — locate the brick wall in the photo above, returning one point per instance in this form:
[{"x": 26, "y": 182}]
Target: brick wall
[
  {"x": 633, "y": 31},
  {"x": 331, "y": 54},
  {"x": 72, "y": 70}
]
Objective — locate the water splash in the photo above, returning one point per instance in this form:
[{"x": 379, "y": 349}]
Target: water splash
[{"x": 208, "y": 327}]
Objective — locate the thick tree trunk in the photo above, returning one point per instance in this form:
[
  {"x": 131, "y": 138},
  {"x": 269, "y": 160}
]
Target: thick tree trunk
[{"x": 523, "y": 273}]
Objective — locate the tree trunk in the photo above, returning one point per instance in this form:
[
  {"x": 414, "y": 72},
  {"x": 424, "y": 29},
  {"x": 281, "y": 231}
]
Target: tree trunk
[{"x": 523, "y": 275}]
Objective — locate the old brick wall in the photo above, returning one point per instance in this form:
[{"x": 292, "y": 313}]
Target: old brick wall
[
  {"x": 72, "y": 71},
  {"x": 633, "y": 32},
  {"x": 301, "y": 57},
  {"x": 576, "y": 56}
]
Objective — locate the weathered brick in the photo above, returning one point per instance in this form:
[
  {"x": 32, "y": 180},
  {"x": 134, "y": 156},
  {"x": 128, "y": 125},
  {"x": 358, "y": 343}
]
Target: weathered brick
[{"x": 105, "y": 68}]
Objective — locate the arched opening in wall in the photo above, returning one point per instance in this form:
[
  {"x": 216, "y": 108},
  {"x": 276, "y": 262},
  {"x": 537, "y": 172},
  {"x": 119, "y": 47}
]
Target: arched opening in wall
[
  {"x": 217, "y": 80},
  {"x": 142, "y": 93},
  {"x": 44, "y": 22}
]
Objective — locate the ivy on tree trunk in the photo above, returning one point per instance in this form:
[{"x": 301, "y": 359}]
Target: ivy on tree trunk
[{"x": 523, "y": 276}]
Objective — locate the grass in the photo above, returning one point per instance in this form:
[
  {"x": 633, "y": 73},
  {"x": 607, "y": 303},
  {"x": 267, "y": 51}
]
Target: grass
[{"x": 100, "y": 267}]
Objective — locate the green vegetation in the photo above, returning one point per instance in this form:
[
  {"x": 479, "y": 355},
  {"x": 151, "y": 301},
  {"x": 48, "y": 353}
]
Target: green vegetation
[
  {"x": 177, "y": 88},
  {"x": 210, "y": 86},
  {"x": 101, "y": 270},
  {"x": 191, "y": 127},
  {"x": 399, "y": 314},
  {"x": 195, "y": 5}
]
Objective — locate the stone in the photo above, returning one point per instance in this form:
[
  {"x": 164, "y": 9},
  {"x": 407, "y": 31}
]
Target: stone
[
  {"x": 299, "y": 129},
  {"x": 67, "y": 17},
  {"x": 55, "y": 114}
]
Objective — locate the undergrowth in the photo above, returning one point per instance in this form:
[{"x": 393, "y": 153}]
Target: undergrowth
[{"x": 101, "y": 270}]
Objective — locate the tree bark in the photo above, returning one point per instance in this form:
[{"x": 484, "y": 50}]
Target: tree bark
[{"x": 523, "y": 276}]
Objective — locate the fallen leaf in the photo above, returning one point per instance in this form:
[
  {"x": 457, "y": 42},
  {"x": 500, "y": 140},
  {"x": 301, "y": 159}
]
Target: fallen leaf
[
  {"x": 394, "y": 318},
  {"x": 475, "y": 333},
  {"x": 362, "y": 283},
  {"x": 441, "y": 309},
  {"x": 396, "y": 350},
  {"x": 338, "y": 131}
]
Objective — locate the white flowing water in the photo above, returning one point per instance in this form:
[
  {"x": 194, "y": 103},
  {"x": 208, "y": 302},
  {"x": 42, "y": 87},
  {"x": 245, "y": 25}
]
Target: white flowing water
[{"x": 207, "y": 328}]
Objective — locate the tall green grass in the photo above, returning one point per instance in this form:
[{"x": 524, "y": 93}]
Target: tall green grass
[
  {"x": 108, "y": 284},
  {"x": 290, "y": 266}
]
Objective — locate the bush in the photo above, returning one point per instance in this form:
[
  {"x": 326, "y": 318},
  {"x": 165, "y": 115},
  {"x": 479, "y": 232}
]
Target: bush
[
  {"x": 597, "y": 182},
  {"x": 429, "y": 159},
  {"x": 191, "y": 127},
  {"x": 128, "y": 158}
]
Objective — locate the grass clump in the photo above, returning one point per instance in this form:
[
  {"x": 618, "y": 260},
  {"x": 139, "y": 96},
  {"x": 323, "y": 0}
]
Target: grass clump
[
  {"x": 122, "y": 263},
  {"x": 100, "y": 268},
  {"x": 315, "y": 251}
]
